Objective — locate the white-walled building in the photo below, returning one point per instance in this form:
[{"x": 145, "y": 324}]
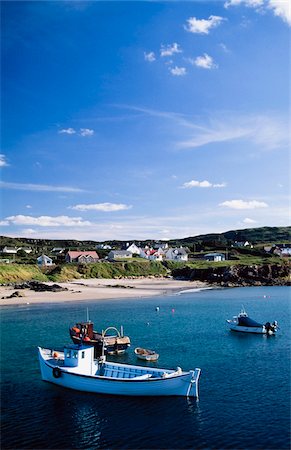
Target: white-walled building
[{"x": 177, "y": 254}]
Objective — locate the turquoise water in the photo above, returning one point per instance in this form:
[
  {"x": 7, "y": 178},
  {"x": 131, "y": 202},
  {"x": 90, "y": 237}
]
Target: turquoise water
[{"x": 244, "y": 387}]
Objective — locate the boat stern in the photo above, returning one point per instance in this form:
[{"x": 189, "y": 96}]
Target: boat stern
[{"x": 193, "y": 388}]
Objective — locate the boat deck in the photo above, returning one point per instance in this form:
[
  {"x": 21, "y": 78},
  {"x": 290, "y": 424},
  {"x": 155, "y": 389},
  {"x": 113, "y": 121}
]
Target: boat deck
[
  {"x": 111, "y": 369},
  {"x": 115, "y": 371}
]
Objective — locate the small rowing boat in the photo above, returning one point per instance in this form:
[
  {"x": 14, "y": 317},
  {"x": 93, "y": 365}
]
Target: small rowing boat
[{"x": 145, "y": 354}]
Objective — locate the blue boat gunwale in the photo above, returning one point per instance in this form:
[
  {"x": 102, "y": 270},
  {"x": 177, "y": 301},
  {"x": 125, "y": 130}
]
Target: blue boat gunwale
[{"x": 126, "y": 380}]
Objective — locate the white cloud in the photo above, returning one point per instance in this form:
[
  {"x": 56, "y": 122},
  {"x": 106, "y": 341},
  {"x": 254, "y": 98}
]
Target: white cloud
[
  {"x": 201, "y": 184},
  {"x": 106, "y": 207},
  {"x": 266, "y": 132},
  {"x": 82, "y": 132},
  {"x": 242, "y": 204},
  {"x": 202, "y": 26},
  {"x": 249, "y": 3},
  {"x": 67, "y": 131},
  {"x": 150, "y": 56},
  {"x": 38, "y": 187},
  {"x": 178, "y": 223},
  {"x": 205, "y": 62},
  {"x": 170, "y": 50},
  {"x": 86, "y": 132},
  {"x": 48, "y": 221},
  {"x": 3, "y": 162},
  {"x": 4, "y": 223},
  {"x": 247, "y": 220},
  {"x": 280, "y": 8},
  {"x": 178, "y": 71},
  {"x": 28, "y": 206}
]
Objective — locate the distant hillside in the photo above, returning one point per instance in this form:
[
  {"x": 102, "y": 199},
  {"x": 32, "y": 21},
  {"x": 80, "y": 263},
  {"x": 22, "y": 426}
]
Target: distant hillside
[{"x": 253, "y": 235}]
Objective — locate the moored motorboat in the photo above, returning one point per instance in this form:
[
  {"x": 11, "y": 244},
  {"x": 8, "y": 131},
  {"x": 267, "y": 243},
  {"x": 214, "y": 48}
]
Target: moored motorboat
[
  {"x": 114, "y": 343},
  {"x": 243, "y": 323},
  {"x": 146, "y": 354},
  {"x": 76, "y": 368}
]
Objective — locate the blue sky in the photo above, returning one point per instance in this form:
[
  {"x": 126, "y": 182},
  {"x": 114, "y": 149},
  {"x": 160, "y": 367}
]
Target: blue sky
[{"x": 144, "y": 120}]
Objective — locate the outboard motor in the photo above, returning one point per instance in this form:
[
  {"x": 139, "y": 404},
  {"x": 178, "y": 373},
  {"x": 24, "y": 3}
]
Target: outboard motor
[{"x": 271, "y": 327}]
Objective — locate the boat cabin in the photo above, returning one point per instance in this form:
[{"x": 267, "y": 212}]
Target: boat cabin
[
  {"x": 81, "y": 357},
  {"x": 84, "y": 329},
  {"x": 245, "y": 321}
]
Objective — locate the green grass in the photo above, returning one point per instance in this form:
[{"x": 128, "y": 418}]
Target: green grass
[{"x": 11, "y": 273}]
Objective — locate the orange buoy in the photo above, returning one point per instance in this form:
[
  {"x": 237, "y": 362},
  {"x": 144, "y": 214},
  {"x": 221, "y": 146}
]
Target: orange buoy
[
  {"x": 55, "y": 355},
  {"x": 86, "y": 339}
]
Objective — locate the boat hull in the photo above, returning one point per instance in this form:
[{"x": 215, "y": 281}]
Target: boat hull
[
  {"x": 244, "y": 324},
  {"x": 148, "y": 357},
  {"x": 253, "y": 330},
  {"x": 183, "y": 385}
]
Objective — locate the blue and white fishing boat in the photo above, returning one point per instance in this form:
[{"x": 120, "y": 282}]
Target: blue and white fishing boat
[
  {"x": 76, "y": 368},
  {"x": 244, "y": 324}
]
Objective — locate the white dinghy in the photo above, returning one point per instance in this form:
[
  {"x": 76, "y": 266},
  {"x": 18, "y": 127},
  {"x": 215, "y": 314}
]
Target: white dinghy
[
  {"x": 243, "y": 323},
  {"x": 146, "y": 354},
  {"x": 76, "y": 368}
]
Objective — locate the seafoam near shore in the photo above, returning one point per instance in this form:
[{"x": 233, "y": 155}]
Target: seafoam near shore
[{"x": 99, "y": 289}]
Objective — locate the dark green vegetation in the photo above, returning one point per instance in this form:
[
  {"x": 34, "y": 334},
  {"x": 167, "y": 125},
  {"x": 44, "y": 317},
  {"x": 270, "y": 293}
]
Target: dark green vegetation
[{"x": 263, "y": 235}]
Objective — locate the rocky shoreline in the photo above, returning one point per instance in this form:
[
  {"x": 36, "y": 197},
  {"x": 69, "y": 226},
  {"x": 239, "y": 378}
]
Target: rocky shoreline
[{"x": 239, "y": 275}]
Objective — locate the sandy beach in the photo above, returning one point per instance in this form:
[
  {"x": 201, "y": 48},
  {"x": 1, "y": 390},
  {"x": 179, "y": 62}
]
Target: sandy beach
[{"x": 99, "y": 289}]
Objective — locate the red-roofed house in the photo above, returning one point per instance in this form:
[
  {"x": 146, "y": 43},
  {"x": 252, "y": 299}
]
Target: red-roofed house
[{"x": 81, "y": 257}]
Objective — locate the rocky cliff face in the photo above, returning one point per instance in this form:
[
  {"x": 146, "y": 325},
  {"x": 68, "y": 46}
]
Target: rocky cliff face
[{"x": 239, "y": 275}]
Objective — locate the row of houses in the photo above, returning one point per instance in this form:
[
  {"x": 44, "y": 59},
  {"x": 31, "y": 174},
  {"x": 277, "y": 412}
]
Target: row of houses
[
  {"x": 171, "y": 254},
  {"x": 176, "y": 254},
  {"x": 150, "y": 253}
]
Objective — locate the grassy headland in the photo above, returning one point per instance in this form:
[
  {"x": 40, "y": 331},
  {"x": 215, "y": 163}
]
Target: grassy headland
[{"x": 256, "y": 272}]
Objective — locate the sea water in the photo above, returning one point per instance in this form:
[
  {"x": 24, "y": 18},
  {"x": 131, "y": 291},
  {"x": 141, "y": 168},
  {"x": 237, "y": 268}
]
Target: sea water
[{"x": 244, "y": 398}]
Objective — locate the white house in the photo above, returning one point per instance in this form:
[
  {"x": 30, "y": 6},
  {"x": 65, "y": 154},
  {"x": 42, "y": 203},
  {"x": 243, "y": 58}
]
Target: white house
[
  {"x": 14, "y": 250},
  {"x": 156, "y": 256},
  {"x": 162, "y": 245},
  {"x": 44, "y": 260},
  {"x": 10, "y": 250},
  {"x": 216, "y": 257},
  {"x": 103, "y": 247},
  {"x": 116, "y": 255},
  {"x": 243, "y": 244},
  {"x": 58, "y": 250},
  {"x": 177, "y": 254},
  {"x": 134, "y": 249}
]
